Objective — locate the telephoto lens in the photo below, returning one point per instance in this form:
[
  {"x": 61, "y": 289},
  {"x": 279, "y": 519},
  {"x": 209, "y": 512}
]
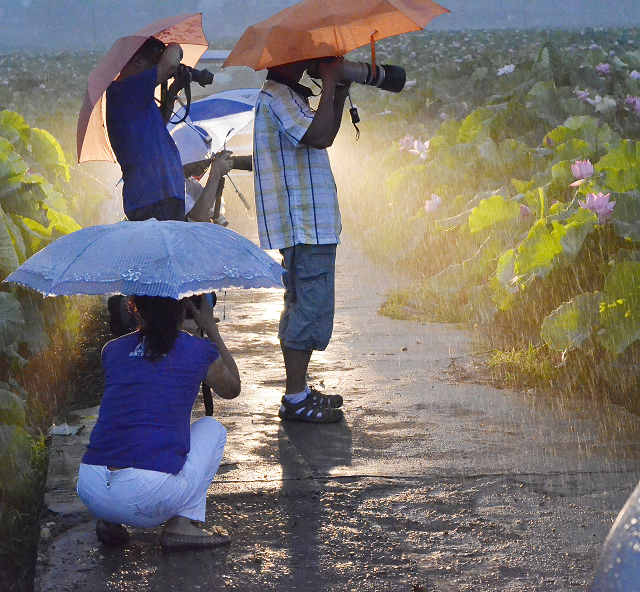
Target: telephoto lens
[
  {"x": 243, "y": 163},
  {"x": 384, "y": 77}
]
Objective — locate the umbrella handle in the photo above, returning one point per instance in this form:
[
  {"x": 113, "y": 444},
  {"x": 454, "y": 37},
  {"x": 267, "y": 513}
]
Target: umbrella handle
[
  {"x": 373, "y": 52},
  {"x": 207, "y": 398}
]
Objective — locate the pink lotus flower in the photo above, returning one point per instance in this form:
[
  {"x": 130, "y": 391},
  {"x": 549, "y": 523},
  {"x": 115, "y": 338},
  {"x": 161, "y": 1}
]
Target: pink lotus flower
[
  {"x": 525, "y": 212},
  {"x": 420, "y": 148},
  {"x": 599, "y": 204},
  {"x": 603, "y": 69},
  {"x": 634, "y": 103},
  {"x": 582, "y": 169},
  {"x": 431, "y": 205},
  {"x": 583, "y": 95}
]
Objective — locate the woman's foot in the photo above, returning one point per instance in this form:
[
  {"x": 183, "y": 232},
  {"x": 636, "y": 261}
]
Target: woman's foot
[
  {"x": 181, "y": 533},
  {"x": 110, "y": 533}
]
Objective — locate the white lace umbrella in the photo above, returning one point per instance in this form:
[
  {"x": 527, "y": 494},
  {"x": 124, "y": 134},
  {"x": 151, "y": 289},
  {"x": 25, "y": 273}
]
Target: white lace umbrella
[{"x": 151, "y": 258}]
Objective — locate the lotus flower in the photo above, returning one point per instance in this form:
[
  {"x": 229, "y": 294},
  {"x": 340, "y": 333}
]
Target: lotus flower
[
  {"x": 583, "y": 95},
  {"x": 508, "y": 69},
  {"x": 420, "y": 148},
  {"x": 582, "y": 169},
  {"x": 406, "y": 143},
  {"x": 599, "y": 204},
  {"x": 431, "y": 205},
  {"x": 603, "y": 69},
  {"x": 525, "y": 212},
  {"x": 635, "y": 75},
  {"x": 634, "y": 103}
]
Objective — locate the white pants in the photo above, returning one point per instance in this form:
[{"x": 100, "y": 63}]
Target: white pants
[{"x": 145, "y": 499}]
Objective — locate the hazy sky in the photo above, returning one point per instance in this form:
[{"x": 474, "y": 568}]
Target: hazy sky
[{"x": 60, "y": 24}]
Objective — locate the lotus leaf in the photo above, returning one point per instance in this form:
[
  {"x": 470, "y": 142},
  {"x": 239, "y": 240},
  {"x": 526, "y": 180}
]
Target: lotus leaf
[{"x": 626, "y": 215}]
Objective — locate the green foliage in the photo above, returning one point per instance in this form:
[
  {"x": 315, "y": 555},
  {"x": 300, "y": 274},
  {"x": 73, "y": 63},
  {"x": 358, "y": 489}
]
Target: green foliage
[
  {"x": 572, "y": 323},
  {"x": 620, "y": 307},
  {"x": 621, "y": 167},
  {"x": 491, "y": 212}
]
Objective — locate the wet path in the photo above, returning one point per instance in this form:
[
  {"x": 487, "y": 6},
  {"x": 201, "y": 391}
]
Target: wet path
[{"x": 430, "y": 484}]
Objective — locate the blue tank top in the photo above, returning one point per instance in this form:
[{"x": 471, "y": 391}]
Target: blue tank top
[
  {"x": 145, "y": 413},
  {"x": 148, "y": 156}
]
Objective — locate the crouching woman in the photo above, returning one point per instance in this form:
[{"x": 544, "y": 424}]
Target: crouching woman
[{"x": 146, "y": 464}]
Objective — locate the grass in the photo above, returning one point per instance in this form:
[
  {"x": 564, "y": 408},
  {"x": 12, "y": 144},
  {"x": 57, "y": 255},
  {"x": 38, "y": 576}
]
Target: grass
[
  {"x": 66, "y": 375},
  {"x": 20, "y": 524}
]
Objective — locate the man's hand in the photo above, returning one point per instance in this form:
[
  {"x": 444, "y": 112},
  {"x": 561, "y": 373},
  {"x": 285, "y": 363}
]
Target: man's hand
[
  {"x": 330, "y": 72},
  {"x": 168, "y": 63},
  {"x": 222, "y": 163}
]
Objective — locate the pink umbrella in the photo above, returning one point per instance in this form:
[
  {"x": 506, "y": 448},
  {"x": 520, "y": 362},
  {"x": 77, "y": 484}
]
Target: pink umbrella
[{"x": 93, "y": 139}]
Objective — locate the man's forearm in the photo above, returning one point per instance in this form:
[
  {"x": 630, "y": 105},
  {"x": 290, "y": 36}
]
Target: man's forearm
[
  {"x": 322, "y": 130},
  {"x": 201, "y": 210}
]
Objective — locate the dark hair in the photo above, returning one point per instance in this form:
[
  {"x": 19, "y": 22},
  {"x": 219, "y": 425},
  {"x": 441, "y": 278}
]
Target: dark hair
[
  {"x": 160, "y": 320},
  {"x": 152, "y": 49}
]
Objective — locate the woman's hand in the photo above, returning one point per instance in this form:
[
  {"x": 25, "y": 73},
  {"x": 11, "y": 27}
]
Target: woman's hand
[
  {"x": 203, "y": 315},
  {"x": 222, "y": 375}
]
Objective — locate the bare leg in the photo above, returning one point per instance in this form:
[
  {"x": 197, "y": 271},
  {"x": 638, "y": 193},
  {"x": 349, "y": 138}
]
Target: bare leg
[{"x": 295, "y": 363}]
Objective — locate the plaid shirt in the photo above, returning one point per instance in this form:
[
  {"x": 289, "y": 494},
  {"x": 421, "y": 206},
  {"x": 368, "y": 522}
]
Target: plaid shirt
[{"x": 296, "y": 198}]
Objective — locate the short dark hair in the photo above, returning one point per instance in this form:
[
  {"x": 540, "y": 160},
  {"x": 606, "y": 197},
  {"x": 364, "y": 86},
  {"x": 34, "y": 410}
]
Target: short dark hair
[{"x": 152, "y": 49}]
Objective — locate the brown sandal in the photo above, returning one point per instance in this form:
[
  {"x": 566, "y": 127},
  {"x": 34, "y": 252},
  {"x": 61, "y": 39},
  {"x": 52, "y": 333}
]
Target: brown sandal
[{"x": 173, "y": 541}]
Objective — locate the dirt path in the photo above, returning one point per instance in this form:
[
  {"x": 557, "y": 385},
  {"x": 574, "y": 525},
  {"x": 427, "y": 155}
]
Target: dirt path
[{"x": 430, "y": 484}]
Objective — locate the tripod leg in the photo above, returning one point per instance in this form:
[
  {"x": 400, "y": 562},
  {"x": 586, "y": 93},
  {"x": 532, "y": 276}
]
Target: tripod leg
[{"x": 207, "y": 399}]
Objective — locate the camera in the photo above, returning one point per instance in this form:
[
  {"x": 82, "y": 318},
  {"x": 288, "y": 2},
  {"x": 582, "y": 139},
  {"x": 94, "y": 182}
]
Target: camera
[
  {"x": 197, "y": 300},
  {"x": 199, "y": 167},
  {"x": 202, "y": 77},
  {"x": 384, "y": 77}
]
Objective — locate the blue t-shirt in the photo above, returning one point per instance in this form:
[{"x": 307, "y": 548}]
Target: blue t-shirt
[
  {"x": 145, "y": 414},
  {"x": 148, "y": 156}
]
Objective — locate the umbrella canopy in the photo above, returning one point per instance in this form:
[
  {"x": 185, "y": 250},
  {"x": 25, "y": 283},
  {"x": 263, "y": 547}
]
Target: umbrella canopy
[
  {"x": 211, "y": 121},
  {"x": 92, "y": 138},
  {"x": 322, "y": 28},
  {"x": 151, "y": 258}
]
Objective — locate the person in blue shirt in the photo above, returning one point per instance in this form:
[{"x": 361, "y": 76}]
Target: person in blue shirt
[
  {"x": 145, "y": 464},
  {"x": 153, "y": 178}
]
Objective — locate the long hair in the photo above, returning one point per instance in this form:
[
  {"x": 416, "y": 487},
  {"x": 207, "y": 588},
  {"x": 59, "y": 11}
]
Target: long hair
[{"x": 159, "y": 323}]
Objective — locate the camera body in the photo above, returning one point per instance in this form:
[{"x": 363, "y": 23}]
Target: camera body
[
  {"x": 189, "y": 74},
  {"x": 384, "y": 77}
]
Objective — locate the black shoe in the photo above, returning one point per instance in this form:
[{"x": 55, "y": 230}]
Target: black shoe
[{"x": 111, "y": 534}]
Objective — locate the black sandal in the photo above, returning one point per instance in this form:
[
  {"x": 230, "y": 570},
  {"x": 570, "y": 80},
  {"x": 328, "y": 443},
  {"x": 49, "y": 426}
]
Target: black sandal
[
  {"x": 110, "y": 533},
  {"x": 323, "y": 400},
  {"x": 307, "y": 411}
]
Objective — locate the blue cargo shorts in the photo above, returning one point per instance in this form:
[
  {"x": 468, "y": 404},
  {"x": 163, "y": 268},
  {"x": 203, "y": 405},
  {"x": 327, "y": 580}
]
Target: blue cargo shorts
[{"x": 306, "y": 322}]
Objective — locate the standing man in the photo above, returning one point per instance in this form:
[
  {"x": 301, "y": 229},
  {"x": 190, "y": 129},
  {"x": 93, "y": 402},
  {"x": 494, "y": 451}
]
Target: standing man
[
  {"x": 298, "y": 213},
  {"x": 151, "y": 167}
]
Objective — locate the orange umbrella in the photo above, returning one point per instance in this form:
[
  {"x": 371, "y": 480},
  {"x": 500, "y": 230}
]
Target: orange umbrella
[
  {"x": 93, "y": 139},
  {"x": 322, "y": 28}
]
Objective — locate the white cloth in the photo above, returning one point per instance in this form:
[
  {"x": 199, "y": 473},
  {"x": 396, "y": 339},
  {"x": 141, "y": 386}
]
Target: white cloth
[
  {"x": 296, "y": 198},
  {"x": 145, "y": 499},
  {"x": 192, "y": 192}
]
